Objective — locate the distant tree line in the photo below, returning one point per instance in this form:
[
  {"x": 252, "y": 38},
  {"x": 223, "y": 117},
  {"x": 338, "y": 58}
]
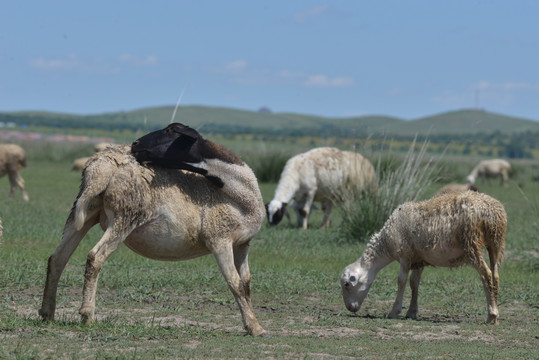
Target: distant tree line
[{"x": 516, "y": 145}]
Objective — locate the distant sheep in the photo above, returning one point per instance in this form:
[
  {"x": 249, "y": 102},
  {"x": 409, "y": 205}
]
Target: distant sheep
[
  {"x": 322, "y": 174},
  {"x": 491, "y": 169},
  {"x": 446, "y": 231},
  {"x": 102, "y": 146},
  {"x": 12, "y": 160},
  {"x": 165, "y": 214},
  {"x": 456, "y": 188},
  {"x": 79, "y": 163}
]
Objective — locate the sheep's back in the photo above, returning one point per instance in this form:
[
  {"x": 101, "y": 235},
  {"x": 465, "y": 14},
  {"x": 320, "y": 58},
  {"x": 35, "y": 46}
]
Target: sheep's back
[{"x": 332, "y": 171}]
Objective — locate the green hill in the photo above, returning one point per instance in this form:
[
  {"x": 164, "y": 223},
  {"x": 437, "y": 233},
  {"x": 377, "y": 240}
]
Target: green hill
[{"x": 226, "y": 120}]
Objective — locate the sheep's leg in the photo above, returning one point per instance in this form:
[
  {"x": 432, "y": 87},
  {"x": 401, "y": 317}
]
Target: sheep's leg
[
  {"x": 403, "y": 277},
  {"x": 108, "y": 243},
  {"x": 414, "y": 285},
  {"x": 15, "y": 179},
  {"x": 306, "y": 209},
  {"x": 490, "y": 286},
  {"x": 225, "y": 259},
  {"x": 504, "y": 180},
  {"x": 327, "y": 206},
  {"x": 494, "y": 266},
  {"x": 299, "y": 217},
  {"x": 71, "y": 238},
  {"x": 242, "y": 267}
]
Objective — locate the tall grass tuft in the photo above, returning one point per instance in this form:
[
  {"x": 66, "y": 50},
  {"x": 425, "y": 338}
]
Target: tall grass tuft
[
  {"x": 366, "y": 213},
  {"x": 266, "y": 165}
]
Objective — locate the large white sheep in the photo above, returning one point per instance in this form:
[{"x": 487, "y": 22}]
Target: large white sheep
[
  {"x": 446, "y": 231},
  {"x": 12, "y": 160},
  {"x": 165, "y": 214},
  {"x": 491, "y": 169},
  {"x": 323, "y": 174}
]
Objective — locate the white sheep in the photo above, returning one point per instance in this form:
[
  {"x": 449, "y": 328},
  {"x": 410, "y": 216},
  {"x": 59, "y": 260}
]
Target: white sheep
[
  {"x": 446, "y": 231},
  {"x": 165, "y": 214},
  {"x": 323, "y": 174},
  {"x": 12, "y": 160},
  {"x": 491, "y": 169},
  {"x": 78, "y": 164}
]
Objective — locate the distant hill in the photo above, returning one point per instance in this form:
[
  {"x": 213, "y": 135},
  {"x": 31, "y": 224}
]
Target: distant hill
[{"x": 226, "y": 120}]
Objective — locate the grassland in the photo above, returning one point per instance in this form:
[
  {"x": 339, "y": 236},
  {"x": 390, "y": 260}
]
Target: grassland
[{"x": 148, "y": 309}]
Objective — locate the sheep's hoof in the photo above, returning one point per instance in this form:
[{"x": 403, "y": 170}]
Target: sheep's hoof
[
  {"x": 87, "y": 316},
  {"x": 393, "y": 315},
  {"x": 257, "y": 331},
  {"x": 492, "y": 319},
  {"x": 411, "y": 315},
  {"x": 46, "y": 315}
]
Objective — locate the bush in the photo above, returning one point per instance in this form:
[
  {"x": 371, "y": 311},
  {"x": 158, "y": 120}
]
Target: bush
[
  {"x": 267, "y": 166},
  {"x": 364, "y": 214}
]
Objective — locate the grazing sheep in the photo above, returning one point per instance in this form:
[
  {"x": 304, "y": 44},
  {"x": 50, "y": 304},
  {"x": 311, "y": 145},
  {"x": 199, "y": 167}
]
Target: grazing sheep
[
  {"x": 102, "y": 146},
  {"x": 164, "y": 214},
  {"x": 456, "y": 188},
  {"x": 321, "y": 174},
  {"x": 79, "y": 163},
  {"x": 12, "y": 160},
  {"x": 447, "y": 231},
  {"x": 491, "y": 169}
]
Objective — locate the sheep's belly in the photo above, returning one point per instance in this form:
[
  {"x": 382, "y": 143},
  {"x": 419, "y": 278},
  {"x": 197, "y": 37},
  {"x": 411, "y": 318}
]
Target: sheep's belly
[
  {"x": 446, "y": 257},
  {"x": 161, "y": 239}
]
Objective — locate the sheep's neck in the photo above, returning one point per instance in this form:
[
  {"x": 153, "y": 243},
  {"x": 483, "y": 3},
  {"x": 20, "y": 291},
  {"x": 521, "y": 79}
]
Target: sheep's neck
[
  {"x": 376, "y": 256},
  {"x": 287, "y": 187}
]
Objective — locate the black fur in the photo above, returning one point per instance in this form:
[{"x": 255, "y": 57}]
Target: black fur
[{"x": 179, "y": 147}]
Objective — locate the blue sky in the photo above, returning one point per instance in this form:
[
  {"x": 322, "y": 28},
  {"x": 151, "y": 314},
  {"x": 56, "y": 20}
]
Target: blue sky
[{"x": 330, "y": 58}]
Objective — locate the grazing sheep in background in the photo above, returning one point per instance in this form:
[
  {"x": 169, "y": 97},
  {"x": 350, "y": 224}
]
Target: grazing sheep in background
[
  {"x": 456, "y": 188},
  {"x": 322, "y": 174},
  {"x": 446, "y": 231},
  {"x": 12, "y": 160},
  {"x": 79, "y": 163},
  {"x": 164, "y": 214},
  {"x": 102, "y": 146},
  {"x": 491, "y": 169}
]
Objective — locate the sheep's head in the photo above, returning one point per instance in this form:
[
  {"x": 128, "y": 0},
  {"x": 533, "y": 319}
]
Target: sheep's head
[
  {"x": 355, "y": 284},
  {"x": 275, "y": 211}
]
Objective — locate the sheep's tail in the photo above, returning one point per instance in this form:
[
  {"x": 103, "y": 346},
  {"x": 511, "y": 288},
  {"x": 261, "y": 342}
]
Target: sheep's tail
[
  {"x": 95, "y": 180},
  {"x": 496, "y": 232},
  {"x": 22, "y": 160}
]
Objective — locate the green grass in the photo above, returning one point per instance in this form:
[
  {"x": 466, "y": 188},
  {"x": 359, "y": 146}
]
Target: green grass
[{"x": 148, "y": 309}]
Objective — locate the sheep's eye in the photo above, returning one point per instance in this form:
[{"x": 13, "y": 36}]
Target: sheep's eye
[{"x": 352, "y": 278}]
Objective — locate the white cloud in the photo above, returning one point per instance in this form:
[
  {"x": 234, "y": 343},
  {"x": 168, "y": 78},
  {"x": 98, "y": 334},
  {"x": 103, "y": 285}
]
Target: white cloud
[
  {"x": 138, "y": 61},
  {"x": 237, "y": 65},
  {"x": 240, "y": 72},
  {"x": 305, "y": 15},
  {"x": 70, "y": 62},
  {"x": 325, "y": 81}
]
